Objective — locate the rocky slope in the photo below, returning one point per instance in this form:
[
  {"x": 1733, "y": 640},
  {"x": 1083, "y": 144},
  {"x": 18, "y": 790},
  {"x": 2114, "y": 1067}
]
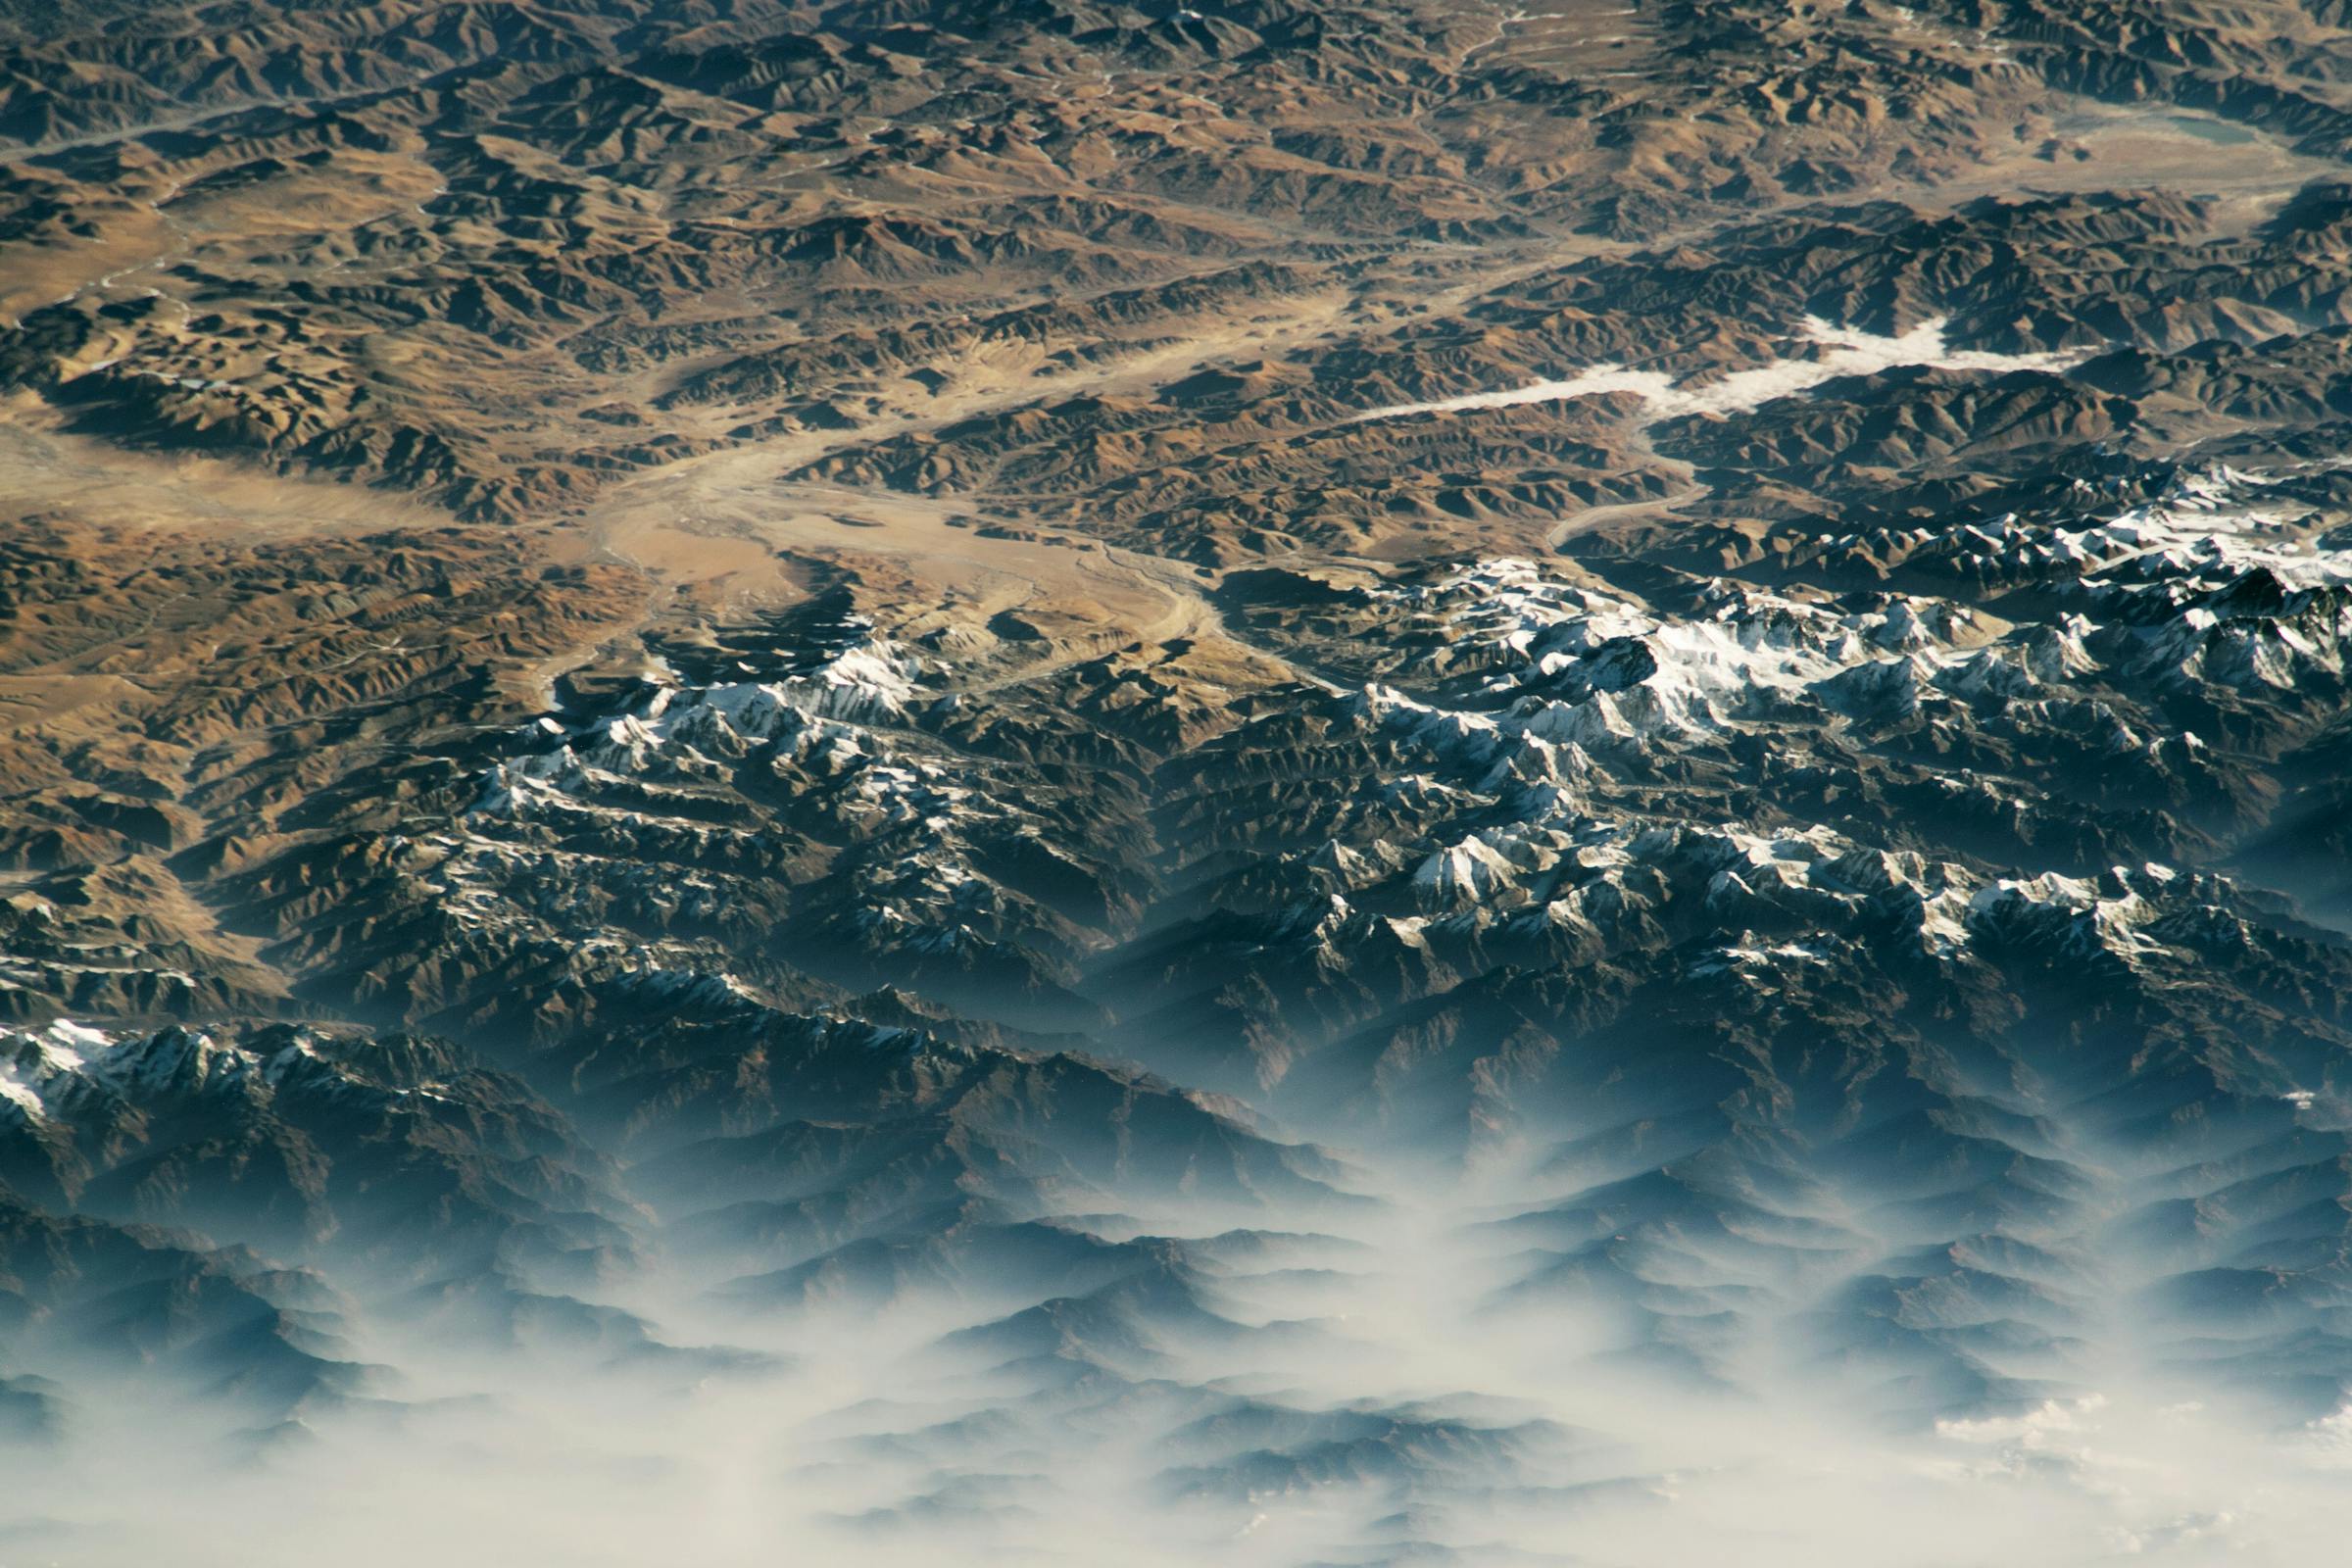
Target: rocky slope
[{"x": 1225, "y": 782}]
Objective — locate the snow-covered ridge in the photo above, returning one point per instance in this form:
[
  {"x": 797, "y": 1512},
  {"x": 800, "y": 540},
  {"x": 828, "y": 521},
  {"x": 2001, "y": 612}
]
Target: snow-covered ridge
[
  {"x": 52, "y": 1073},
  {"x": 711, "y": 769},
  {"x": 674, "y": 732},
  {"x": 864, "y": 680},
  {"x": 1568, "y": 872},
  {"x": 2212, "y": 584},
  {"x": 1839, "y": 351},
  {"x": 1595, "y": 672},
  {"x": 1589, "y": 681},
  {"x": 2072, "y": 916},
  {"x": 2217, "y": 522},
  {"x": 2224, "y": 579},
  {"x": 2208, "y": 527}
]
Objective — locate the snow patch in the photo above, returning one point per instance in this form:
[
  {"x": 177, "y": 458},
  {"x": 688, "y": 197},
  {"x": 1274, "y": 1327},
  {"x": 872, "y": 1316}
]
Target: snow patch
[{"x": 1839, "y": 351}]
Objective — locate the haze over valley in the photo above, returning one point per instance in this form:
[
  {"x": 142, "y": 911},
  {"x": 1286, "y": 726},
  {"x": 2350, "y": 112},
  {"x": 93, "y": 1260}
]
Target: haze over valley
[{"x": 1228, "y": 783}]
